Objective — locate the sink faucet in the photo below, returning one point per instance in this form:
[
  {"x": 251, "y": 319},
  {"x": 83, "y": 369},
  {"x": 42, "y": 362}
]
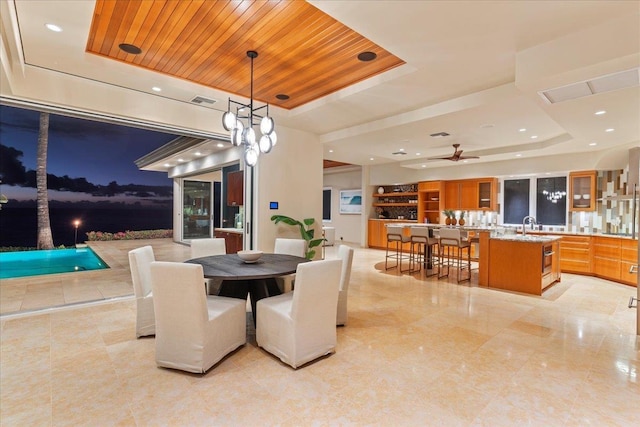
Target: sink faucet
[{"x": 532, "y": 221}]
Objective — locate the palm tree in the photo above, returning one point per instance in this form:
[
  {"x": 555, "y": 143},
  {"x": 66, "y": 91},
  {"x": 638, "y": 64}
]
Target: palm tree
[{"x": 45, "y": 239}]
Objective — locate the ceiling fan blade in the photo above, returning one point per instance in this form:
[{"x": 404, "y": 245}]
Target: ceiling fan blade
[
  {"x": 440, "y": 158},
  {"x": 457, "y": 155}
]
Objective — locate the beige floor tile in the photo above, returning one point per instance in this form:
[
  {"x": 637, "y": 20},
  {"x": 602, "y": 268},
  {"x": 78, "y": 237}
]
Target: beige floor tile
[{"x": 416, "y": 351}]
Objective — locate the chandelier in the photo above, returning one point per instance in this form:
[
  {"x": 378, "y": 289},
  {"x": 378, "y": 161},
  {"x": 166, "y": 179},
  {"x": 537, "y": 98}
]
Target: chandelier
[
  {"x": 554, "y": 196},
  {"x": 240, "y": 125}
]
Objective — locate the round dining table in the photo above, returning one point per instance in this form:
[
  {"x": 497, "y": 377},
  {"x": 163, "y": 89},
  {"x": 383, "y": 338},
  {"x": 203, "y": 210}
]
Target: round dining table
[{"x": 240, "y": 278}]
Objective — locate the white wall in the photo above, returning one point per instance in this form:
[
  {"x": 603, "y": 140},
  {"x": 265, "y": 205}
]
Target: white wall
[
  {"x": 291, "y": 174},
  {"x": 347, "y": 226}
]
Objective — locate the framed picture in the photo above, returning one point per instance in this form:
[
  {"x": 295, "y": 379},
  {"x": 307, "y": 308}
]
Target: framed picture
[{"x": 351, "y": 202}]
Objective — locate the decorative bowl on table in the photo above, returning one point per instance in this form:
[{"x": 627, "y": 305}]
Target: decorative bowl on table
[{"x": 249, "y": 256}]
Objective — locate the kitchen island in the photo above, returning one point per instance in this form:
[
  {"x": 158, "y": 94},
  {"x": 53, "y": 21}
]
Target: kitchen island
[{"x": 527, "y": 264}]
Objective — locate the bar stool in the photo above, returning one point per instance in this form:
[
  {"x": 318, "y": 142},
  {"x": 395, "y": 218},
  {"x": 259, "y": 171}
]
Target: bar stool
[
  {"x": 450, "y": 238},
  {"x": 426, "y": 253},
  {"x": 396, "y": 236}
]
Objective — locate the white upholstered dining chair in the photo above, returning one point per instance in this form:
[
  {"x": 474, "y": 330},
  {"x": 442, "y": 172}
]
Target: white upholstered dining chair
[
  {"x": 345, "y": 253},
  {"x": 209, "y": 247},
  {"x": 300, "y": 326},
  {"x": 194, "y": 331},
  {"x": 140, "y": 260},
  {"x": 295, "y": 247}
]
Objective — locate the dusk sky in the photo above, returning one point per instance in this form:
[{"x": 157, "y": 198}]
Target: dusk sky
[{"x": 97, "y": 151}]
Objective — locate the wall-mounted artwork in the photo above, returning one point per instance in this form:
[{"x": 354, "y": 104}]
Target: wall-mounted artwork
[{"x": 351, "y": 202}]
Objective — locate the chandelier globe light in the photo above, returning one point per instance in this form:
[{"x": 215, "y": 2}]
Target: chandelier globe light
[
  {"x": 554, "y": 196},
  {"x": 240, "y": 125}
]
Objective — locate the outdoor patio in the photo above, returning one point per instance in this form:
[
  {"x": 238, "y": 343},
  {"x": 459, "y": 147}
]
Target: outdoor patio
[{"x": 26, "y": 294}]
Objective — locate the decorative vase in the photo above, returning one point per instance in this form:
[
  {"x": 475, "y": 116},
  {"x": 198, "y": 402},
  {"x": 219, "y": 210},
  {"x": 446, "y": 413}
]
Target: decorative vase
[{"x": 380, "y": 190}]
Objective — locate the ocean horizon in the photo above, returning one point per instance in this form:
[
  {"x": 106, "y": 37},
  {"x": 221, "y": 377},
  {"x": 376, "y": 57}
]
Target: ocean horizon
[{"x": 19, "y": 226}]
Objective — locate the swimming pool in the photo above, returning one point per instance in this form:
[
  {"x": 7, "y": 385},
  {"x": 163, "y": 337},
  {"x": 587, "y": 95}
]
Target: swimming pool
[{"x": 35, "y": 263}]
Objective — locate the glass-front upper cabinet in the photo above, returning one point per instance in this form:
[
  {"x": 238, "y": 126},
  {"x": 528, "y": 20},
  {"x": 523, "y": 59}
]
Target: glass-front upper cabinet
[{"x": 582, "y": 191}]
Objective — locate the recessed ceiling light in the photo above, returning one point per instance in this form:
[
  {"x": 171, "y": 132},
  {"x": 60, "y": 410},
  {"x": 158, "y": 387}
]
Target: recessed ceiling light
[
  {"x": 219, "y": 145},
  {"x": 593, "y": 144},
  {"x": 609, "y": 130},
  {"x": 167, "y": 165},
  {"x": 181, "y": 159},
  {"x": 129, "y": 48},
  {"x": 424, "y": 166},
  {"x": 599, "y": 113},
  {"x": 282, "y": 96},
  {"x": 401, "y": 149},
  {"x": 197, "y": 153},
  {"x": 367, "y": 56},
  {"x": 53, "y": 28},
  {"x": 331, "y": 151},
  {"x": 518, "y": 155},
  {"x": 156, "y": 89},
  {"x": 417, "y": 154},
  {"x": 465, "y": 161},
  {"x": 522, "y": 130},
  {"x": 534, "y": 137},
  {"x": 370, "y": 158}
]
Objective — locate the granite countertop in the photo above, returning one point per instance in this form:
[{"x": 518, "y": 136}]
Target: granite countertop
[
  {"x": 547, "y": 233},
  {"x": 412, "y": 221},
  {"x": 572, "y": 233},
  {"x": 527, "y": 238},
  {"x": 230, "y": 230}
]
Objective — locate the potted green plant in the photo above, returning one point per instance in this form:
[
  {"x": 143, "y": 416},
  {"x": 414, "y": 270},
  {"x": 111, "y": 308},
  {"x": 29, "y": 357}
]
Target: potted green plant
[{"x": 306, "y": 232}]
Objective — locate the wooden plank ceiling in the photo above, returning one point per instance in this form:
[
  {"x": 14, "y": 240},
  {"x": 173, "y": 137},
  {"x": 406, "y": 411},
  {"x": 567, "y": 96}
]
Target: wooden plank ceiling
[{"x": 303, "y": 53}]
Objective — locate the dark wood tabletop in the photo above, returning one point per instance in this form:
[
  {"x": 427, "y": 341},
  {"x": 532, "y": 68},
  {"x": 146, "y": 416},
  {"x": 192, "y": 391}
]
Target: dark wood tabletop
[{"x": 232, "y": 267}]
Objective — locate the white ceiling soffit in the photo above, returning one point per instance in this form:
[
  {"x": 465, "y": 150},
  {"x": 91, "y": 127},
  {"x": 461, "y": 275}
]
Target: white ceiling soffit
[{"x": 608, "y": 83}]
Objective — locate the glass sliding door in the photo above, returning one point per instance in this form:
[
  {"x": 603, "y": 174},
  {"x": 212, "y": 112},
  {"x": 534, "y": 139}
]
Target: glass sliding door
[{"x": 196, "y": 209}]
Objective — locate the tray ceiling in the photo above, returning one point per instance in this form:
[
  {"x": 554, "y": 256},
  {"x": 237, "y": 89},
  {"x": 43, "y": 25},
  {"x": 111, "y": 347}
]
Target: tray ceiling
[{"x": 303, "y": 52}]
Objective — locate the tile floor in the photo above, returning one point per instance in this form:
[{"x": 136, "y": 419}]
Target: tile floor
[{"x": 416, "y": 352}]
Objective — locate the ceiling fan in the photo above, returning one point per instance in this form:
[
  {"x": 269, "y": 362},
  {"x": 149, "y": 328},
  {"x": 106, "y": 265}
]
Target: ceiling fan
[{"x": 457, "y": 155}]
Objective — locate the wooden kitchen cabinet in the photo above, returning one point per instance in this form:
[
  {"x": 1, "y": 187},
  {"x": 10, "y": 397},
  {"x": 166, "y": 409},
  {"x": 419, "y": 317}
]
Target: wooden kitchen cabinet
[
  {"x": 377, "y": 230},
  {"x": 233, "y": 241},
  {"x": 375, "y": 233},
  {"x": 235, "y": 188},
  {"x": 629, "y": 261},
  {"x": 452, "y": 195},
  {"x": 488, "y": 194},
  {"x": 519, "y": 265},
  {"x": 606, "y": 257},
  {"x": 471, "y": 194},
  {"x": 582, "y": 191},
  {"x": 575, "y": 255},
  {"x": 430, "y": 201}
]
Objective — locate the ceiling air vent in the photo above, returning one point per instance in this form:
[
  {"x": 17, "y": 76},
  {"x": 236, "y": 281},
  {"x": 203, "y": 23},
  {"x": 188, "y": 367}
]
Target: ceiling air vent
[
  {"x": 205, "y": 102},
  {"x": 602, "y": 84},
  {"x": 399, "y": 153},
  {"x": 439, "y": 134}
]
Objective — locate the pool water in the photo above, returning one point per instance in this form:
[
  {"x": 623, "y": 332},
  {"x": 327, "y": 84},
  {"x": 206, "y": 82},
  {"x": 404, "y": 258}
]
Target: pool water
[{"x": 35, "y": 263}]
